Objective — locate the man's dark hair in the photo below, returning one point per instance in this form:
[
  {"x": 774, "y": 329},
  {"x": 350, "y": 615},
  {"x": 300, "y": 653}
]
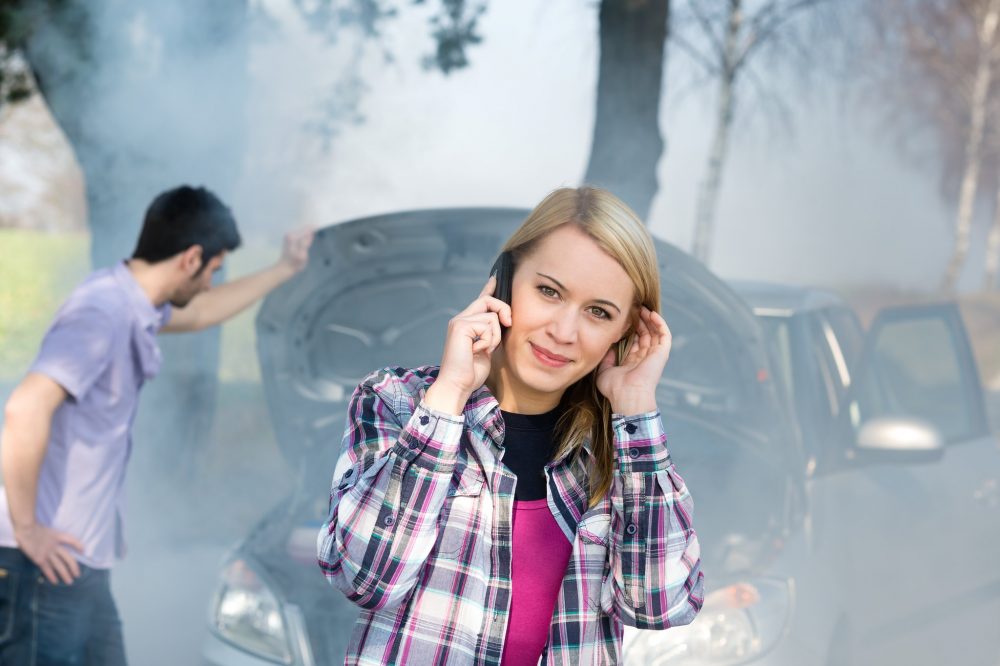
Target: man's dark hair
[{"x": 182, "y": 217}]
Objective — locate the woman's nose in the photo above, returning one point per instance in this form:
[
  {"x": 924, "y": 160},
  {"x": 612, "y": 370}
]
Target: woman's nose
[{"x": 564, "y": 327}]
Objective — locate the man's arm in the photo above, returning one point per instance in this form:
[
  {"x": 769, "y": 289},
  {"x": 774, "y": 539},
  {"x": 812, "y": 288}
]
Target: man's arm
[
  {"x": 23, "y": 442},
  {"x": 227, "y": 300}
]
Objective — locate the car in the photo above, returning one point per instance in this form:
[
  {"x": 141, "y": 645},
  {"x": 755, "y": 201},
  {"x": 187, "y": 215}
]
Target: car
[
  {"x": 781, "y": 501},
  {"x": 893, "y": 538}
]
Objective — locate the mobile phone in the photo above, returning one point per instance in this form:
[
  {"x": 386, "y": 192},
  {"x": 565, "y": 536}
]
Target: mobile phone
[{"x": 503, "y": 268}]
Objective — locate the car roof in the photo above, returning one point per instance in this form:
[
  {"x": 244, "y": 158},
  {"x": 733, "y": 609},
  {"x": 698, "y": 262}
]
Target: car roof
[{"x": 783, "y": 300}]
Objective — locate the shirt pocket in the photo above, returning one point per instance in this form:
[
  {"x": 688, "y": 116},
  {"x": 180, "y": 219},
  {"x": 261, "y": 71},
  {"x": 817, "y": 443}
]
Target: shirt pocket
[{"x": 461, "y": 518}]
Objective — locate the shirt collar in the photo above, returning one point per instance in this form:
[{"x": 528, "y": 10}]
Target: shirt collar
[
  {"x": 483, "y": 409},
  {"x": 150, "y": 316}
]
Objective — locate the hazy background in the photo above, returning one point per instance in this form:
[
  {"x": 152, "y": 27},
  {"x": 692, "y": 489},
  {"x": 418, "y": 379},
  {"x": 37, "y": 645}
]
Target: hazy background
[{"x": 292, "y": 125}]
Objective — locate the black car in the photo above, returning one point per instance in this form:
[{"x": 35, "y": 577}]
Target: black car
[{"x": 379, "y": 291}]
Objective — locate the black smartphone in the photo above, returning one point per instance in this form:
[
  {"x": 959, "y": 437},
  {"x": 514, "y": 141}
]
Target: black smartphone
[{"x": 503, "y": 268}]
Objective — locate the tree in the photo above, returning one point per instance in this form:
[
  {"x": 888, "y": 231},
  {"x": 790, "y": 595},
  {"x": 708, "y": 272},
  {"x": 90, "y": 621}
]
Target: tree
[
  {"x": 151, "y": 94},
  {"x": 627, "y": 144},
  {"x": 942, "y": 78},
  {"x": 723, "y": 38}
]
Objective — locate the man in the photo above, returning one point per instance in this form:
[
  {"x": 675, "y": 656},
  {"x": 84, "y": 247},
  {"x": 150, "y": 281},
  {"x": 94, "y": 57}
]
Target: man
[{"x": 66, "y": 436}]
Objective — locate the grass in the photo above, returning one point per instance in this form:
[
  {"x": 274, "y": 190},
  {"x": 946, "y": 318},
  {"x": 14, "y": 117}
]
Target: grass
[{"x": 37, "y": 271}]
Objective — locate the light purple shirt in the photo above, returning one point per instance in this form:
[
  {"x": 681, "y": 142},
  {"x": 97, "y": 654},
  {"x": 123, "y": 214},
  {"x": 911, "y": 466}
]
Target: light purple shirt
[{"x": 100, "y": 348}]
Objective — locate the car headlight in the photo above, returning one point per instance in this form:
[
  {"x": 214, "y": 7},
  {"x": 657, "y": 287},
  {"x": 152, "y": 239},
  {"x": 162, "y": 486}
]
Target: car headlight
[
  {"x": 246, "y": 613},
  {"x": 737, "y": 623}
]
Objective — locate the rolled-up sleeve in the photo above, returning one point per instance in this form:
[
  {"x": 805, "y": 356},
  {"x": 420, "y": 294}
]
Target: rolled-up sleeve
[
  {"x": 389, "y": 486},
  {"x": 656, "y": 579}
]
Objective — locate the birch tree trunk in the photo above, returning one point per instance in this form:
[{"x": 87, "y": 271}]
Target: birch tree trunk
[
  {"x": 627, "y": 143},
  {"x": 993, "y": 248},
  {"x": 708, "y": 190},
  {"x": 974, "y": 144}
]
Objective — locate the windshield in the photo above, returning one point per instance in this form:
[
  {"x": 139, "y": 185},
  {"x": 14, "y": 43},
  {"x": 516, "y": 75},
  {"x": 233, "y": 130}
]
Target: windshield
[{"x": 719, "y": 376}]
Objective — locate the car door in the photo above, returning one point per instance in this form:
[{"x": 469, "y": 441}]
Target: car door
[{"x": 925, "y": 533}]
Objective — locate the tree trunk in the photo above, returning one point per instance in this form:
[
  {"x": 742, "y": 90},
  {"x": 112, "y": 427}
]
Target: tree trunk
[
  {"x": 993, "y": 248},
  {"x": 708, "y": 190},
  {"x": 151, "y": 95},
  {"x": 974, "y": 144},
  {"x": 627, "y": 144}
]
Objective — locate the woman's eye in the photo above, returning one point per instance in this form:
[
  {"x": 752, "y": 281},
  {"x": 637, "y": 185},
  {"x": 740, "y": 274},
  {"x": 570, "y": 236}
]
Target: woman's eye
[
  {"x": 547, "y": 291},
  {"x": 600, "y": 313}
]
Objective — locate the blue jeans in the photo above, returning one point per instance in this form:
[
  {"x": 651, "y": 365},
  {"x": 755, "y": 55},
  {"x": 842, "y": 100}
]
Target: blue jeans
[{"x": 42, "y": 624}]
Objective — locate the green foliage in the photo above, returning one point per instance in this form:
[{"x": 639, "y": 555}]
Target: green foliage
[
  {"x": 37, "y": 272},
  {"x": 18, "y": 19}
]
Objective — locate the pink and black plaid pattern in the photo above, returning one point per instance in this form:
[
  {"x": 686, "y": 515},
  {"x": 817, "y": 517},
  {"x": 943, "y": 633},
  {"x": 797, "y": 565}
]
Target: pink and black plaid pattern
[{"x": 419, "y": 533}]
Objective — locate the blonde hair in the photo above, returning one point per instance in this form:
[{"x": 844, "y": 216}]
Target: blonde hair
[{"x": 619, "y": 232}]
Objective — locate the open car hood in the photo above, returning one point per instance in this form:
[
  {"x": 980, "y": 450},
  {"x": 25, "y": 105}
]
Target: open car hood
[{"x": 380, "y": 290}]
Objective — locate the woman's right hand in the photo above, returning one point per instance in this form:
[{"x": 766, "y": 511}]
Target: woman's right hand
[{"x": 473, "y": 335}]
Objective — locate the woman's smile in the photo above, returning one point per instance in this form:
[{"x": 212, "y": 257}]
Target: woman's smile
[{"x": 548, "y": 358}]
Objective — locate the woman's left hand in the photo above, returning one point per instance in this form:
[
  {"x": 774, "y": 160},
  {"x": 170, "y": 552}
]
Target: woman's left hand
[{"x": 631, "y": 386}]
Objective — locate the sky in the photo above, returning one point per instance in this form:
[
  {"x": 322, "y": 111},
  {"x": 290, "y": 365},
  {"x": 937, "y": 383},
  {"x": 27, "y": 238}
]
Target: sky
[{"x": 828, "y": 203}]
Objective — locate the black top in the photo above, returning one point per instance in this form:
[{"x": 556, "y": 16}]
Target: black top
[{"x": 529, "y": 446}]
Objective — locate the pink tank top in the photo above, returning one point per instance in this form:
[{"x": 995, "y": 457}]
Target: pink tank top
[{"x": 541, "y": 553}]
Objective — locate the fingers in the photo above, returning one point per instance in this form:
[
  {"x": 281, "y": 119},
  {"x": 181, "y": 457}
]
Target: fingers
[
  {"x": 487, "y": 303},
  {"x": 65, "y": 565},
  {"x": 48, "y": 572},
  {"x": 297, "y": 243},
  {"x": 70, "y": 541},
  {"x": 489, "y": 287},
  {"x": 655, "y": 322},
  {"x": 71, "y": 563},
  {"x": 484, "y": 331},
  {"x": 608, "y": 361}
]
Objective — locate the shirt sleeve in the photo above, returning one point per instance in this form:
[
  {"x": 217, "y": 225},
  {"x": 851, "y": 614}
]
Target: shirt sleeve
[
  {"x": 656, "y": 579},
  {"x": 76, "y": 350},
  {"x": 389, "y": 486}
]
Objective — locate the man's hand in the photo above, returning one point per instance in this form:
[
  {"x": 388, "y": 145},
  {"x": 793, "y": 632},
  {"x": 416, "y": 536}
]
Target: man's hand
[
  {"x": 47, "y": 549},
  {"x": 295, "y": 251}
]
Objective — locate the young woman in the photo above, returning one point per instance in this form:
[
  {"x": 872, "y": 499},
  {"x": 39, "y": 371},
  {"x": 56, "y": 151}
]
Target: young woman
[{"x": 517, "y": 503}]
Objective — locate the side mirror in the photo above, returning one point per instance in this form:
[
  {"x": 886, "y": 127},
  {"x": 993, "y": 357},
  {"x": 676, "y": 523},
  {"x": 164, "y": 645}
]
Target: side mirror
[{"x": 899, "y": 440}]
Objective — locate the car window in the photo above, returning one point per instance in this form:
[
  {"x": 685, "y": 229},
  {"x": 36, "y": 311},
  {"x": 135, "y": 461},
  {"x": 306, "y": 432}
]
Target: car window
[
  {"x": 779, "y": 342},
  {"x": 805, "y": 357},
  {"x": 849, "y": 334},
  {"x": 903, "y": 379},
  {"x": 713, "y": 372}
]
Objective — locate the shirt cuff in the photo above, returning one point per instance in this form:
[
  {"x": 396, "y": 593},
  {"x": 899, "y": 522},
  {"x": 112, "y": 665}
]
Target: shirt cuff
[
  {"x": 431, "y": 438},
  {"x": 640, "y": 443}
]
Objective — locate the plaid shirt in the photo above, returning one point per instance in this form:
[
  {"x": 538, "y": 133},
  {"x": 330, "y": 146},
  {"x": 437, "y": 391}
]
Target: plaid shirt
[{"x": 419, "y": 533}]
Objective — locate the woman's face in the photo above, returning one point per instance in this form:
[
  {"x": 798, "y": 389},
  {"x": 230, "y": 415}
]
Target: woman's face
[{"x": 570, "y": 303}]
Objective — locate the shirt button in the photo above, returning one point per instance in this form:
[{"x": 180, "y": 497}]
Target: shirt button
[
  {"x": 413, "y": 445},
  {"x": 424, "y": 420},
  {"x": 348, "y": 474},
  {"x": 633, "y": 452},
  {"x": 631, "y": 529},
  {"x": 389, "y": 520},
  {"x": 630, "y": 428}
]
